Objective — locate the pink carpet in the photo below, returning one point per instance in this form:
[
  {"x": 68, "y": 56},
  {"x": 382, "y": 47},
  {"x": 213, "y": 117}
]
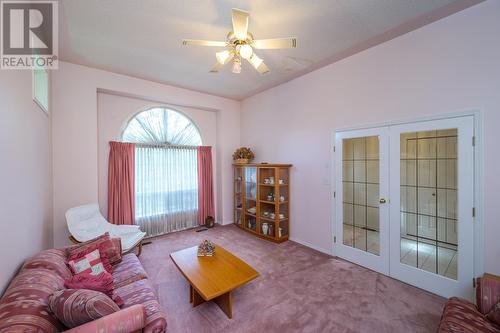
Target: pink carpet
[{"x": 299, "y": 290}]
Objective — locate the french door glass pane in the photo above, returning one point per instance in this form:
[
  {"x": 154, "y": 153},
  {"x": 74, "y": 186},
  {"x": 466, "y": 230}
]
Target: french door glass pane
[
  {"x": 360, "y": 180},
  {"x": 429, "y": 201},
  {"x": 251, "y": 198}
]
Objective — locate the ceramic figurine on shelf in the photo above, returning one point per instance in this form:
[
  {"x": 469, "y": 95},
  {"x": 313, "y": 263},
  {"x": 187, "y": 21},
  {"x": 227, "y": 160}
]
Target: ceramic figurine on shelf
[
  {"x": 271, "y": 180},
  {"x": 282, "y": 198}
]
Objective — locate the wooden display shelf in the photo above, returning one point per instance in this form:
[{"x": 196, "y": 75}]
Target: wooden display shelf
[
  {"x": 254, "y": 175},
  {"x": 273, "y": 202}
]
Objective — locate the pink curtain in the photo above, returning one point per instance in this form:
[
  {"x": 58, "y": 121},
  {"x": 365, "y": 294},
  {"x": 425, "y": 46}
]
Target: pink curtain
[
  {"x": 121, "y": 208},
  {"x": 205, "y": 184}
]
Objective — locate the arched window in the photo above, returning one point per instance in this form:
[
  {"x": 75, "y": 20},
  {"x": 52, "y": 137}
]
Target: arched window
[
  {"x": 166, "y": 182},
  {"x": 162, "y": 126}
]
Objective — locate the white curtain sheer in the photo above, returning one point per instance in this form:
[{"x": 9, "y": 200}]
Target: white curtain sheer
[
  {"x": 166, "y": 188},
  {"x": 166, "y": 181}
]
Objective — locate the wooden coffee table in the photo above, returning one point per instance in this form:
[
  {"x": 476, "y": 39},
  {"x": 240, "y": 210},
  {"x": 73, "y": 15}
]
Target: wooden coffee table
[{"x": 213, "y": 278}]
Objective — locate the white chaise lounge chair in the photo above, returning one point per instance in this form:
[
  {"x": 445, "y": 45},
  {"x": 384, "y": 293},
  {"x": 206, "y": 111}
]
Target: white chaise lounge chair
[{"x": 86, "y": 222}]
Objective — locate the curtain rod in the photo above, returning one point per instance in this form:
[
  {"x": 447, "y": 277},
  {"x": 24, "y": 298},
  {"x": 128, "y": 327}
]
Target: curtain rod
[{"x": 162, "y": 145}]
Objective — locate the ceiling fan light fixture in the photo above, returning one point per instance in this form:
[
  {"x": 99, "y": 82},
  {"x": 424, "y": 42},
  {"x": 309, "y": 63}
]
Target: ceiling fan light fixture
[
  {"x": 245, "y": 51},
  {"x": 236, "y": 66},
  {"x": 255, "y": 61},
  {"x": 240, "y": 44},
  {"x": 222, "y": 56}
]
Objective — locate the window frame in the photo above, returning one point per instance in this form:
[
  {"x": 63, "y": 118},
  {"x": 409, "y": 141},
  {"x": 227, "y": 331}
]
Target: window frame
[
  {"x": 45, "y": 109},
  {"x": 161, "y": 106}
]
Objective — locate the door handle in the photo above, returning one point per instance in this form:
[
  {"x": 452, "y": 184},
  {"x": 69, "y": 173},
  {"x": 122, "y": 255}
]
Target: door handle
[{"x": 382, "y": 200}]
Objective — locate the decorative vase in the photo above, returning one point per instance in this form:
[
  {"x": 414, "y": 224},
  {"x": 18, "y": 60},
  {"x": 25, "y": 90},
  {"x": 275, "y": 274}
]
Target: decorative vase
[
  {"x": 271, "y": 230},
  {"x": 264, "y": 228},
  {"x": 242, "y": 161}
]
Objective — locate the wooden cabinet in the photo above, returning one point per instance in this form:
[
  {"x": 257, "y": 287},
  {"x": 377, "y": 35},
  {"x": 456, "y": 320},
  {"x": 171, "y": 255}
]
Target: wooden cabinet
[{"x": 262, "y": 199}]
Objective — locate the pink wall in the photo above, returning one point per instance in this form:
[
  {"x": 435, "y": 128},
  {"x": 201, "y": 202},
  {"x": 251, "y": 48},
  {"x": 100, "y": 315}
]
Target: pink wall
[
  {"x": 25, "y": 171},
  {"x": 449, "y": 66},
  {"x": 115, "y": 111},
  {"x": 75, "y": 134}
]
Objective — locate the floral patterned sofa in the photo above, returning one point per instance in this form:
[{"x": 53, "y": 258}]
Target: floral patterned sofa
[
  {"x": 24, "y": 305},
  {"x": 461, "y": 316}
]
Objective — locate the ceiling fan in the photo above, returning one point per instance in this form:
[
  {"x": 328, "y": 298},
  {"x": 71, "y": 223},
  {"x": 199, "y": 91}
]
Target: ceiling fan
[{"x": 240, "y": 44}]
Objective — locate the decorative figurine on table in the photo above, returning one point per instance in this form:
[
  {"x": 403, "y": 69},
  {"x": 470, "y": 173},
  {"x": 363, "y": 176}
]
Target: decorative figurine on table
[{"x": 206, "y": 249}]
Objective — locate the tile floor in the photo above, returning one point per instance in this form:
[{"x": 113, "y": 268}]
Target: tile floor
[{"x": 425, "y": 254}]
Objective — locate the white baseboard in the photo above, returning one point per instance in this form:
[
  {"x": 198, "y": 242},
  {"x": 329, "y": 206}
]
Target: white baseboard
[
  {"x": 307, "y": 244},
  {"x": 314, "y": 247}
]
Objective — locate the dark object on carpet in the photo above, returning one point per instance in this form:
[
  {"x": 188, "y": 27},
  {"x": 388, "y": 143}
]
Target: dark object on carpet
[
  {"x": 147, "y": 242},
  {"x": 202, "y": 229},
  {"x": 209, "y": 222}
]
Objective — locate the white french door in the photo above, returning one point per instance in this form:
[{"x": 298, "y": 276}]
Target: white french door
[
  {"x": 432, "y": 186},
  {"x": 363, "y": 214},
  {"x": 424, "y": 191}
]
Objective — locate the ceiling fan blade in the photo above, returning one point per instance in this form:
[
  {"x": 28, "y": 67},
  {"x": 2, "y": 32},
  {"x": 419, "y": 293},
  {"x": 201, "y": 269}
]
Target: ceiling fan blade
[
  {"x": 276, "y": 43},
  {"x": 240, "y": 24},
  {"x": 197, "y": 42},
  {"x": 262, "y": 69},
  {"x": 217, "y": 67}
]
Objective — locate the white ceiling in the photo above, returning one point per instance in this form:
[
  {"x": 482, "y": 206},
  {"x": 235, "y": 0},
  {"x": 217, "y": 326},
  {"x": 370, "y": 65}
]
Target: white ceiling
[{"x": 142, "y": 38}]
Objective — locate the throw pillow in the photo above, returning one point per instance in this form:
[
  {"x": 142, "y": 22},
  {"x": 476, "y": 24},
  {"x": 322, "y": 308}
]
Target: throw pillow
[
  {"x": 105, "y": 244},
  {"x": 76, "y": 307},
  {"x": 102, "y": 282},
  {"x": 89, "y": 254},
  {"x": 494, "y": 314},
  {"x": 89, "y": 262},
  {"x": 113, "y": 253}
]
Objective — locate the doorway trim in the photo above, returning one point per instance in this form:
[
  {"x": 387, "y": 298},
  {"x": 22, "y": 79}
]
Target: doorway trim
[{"x": 478, "y": 192}]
